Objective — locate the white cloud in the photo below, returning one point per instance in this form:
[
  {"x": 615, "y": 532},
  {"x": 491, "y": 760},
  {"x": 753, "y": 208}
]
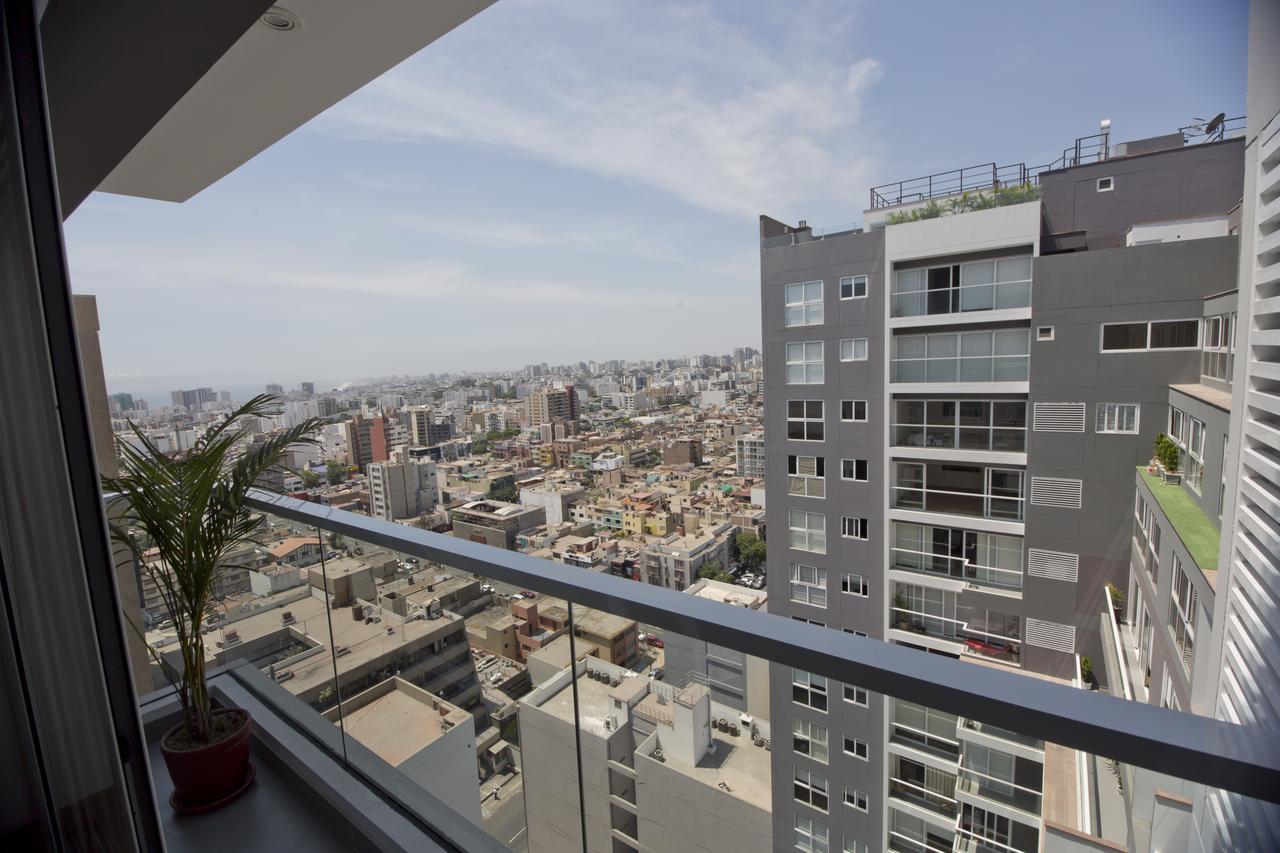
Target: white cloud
[{"x": 674, "y": 97}]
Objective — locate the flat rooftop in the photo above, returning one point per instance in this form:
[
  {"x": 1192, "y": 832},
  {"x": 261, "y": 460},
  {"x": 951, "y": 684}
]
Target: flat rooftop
[
  {"x": 740, "y": 765},
  {"x": 400, "y": 721},
  {"x": 1215, "y": 397},
  {"x": 727, "y": 593},
  {"x": 364, "y": 642},
  {"x": 593, "y": 703}
]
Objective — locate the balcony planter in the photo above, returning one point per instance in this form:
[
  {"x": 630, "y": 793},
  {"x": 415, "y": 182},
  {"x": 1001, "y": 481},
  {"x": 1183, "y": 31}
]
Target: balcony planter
[
  {"x": 183, "y": 516},
  {"x": 207, "y": 775}
]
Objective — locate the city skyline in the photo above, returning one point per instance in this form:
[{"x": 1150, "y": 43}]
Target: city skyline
[{"x": 624, "y": 201}]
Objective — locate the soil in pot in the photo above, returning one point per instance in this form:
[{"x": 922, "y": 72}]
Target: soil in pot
[{"x": 208, "y": 775}]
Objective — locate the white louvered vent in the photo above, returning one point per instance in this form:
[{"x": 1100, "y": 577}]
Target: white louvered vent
[
  {"x": 1054, "y": 565},
  {"x": 1058, "y": 417},
  {"x": 1051, "y": 635},
  {"x": 1056, "y": 491}
]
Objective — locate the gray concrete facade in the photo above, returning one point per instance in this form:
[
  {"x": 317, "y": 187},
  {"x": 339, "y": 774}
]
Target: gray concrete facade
[
  {"x": 792, "y": 256},
  {"x": 1074, "y": 295}
]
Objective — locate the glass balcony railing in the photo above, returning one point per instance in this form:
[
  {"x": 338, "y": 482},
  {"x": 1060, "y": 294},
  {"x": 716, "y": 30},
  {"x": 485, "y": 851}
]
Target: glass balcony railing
[
  {"x": 993, "y": 355},
  {"x": 456, "y": 681},
  {"x": 975, "y": 286}
]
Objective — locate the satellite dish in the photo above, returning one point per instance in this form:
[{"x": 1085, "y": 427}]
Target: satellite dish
[{"x": 1215, "y": 123}]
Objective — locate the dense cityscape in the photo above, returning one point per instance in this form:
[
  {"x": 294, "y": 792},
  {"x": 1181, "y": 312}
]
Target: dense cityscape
[{"x": 982, "y": 524}]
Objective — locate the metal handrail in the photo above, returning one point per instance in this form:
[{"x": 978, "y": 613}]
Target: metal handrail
[{"x": 1213, "y": 752}]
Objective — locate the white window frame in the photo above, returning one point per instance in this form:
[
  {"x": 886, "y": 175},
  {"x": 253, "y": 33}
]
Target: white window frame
[
  {"x": 866, "y": 469},
  {"x": 813, "y": 736},
  {"x": 809, "y": 585},
  {"x": 810, "y": 533},
  {"x": 853, "y": 410},
  {"x": 1108, "y": 418},
  {"x": 1044, "y": 333},
  {"x": 812, "y": 685},
  {"x": 853, "y": 349},
  {"x": 805, "y": 419},
  {"x": 861, "y": 528},
  {"x": 852, "y": 583},
  {"x": 816, "y": 784},
  {"x": 858, "y": 744},
  {"x": 853, "y": 281},
  {"x": 1110, "y": 184},
  {"x": 812, "y": 369},
  {"x": 855, "y": 799},
  {"x": 1149, "y": 323},
  {"x": 810, "y": 835},
  {"x": 809, "y": 485},
  {"x": 1181, "y": 420},
  {"x": 853, "y": 845},
  {"x": 811, "y": 309},
  {"x": 863, "y": 702}
]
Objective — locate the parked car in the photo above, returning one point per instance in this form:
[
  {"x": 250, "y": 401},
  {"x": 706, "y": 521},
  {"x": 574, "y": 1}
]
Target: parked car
[
  {"x": 528, "y": 593},
  {"x": 515, "y": 596},
  {"x": 486, "y": 587},
  {"x": 656, "y": 641}
]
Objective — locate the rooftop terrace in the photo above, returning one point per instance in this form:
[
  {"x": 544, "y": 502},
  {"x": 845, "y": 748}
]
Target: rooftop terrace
[{"x": 1198, "y": 533}]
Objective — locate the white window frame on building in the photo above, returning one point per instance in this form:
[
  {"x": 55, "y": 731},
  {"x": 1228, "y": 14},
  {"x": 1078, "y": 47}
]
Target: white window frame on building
[
  {"x": 805, "y": 363},
  {"x": 811, "y": 788},
  {"x": 810, "y": 740},
  {"x": 853, "y": 349},
  {"x": 1118, "y": 418},
  {"x": 855, "y": 470},
  {"x": 853, "y": 408},
  {"x": 852, "y": 583},
  {"x": 806, "y": 476},
  {"x": 853, "y": 285},
  {"x": 859, "y": 749},
  {"x": 856, "y": 799},
  {"x": 809, "y": 585},
  {"x": 809, "y": 690},
  {"x": 808, "y": 419},
  {"x": 813, "y": 538},
  {"x": 811, "y": 836},
  {"x": 854, "y": 527},
  {"x": 1147, "y": 336},
  {"x": 860, "y": 697},
  {"x": 802, "y": 304}
]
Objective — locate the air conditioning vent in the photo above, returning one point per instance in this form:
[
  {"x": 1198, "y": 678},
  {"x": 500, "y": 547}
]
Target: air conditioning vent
[
  {"x": 1058, "y": 417},
  {"x": 1054, "y": 565},
  {"x": 1051, "y": 635},
  {"x": 1056, "y": 491}
]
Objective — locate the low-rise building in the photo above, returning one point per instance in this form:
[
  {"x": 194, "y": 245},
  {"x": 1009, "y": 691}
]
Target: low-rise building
[
  {"x": 674, "y": 561},
  {"x": 429, "y": 740},
  {"x": 735, "y": 679},
  {"x": 651, "y": 755},
  {"x": 493, "y": 522}
]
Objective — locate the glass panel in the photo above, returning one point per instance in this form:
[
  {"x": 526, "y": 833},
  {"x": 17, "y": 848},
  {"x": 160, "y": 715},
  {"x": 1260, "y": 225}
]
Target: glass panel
[{"x": 1122, "y": 336}]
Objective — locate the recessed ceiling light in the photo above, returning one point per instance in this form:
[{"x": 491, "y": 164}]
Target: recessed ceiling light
[{"x": 280, "y": 20}]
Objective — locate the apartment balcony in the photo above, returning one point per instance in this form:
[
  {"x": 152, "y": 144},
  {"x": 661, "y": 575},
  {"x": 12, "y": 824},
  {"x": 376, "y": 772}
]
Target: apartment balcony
[
  {"x": 933, "y": 427},
  {"x": 986, "y": 359},
  {"x": 964, "y": 292},
  {"x": 377, "y": 800},
  {"x": 973, "y": 491}
]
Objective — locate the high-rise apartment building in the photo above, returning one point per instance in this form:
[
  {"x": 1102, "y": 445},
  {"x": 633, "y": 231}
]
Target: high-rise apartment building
[
  {"x": 423, "y": 431},
  {"x": 122, "y": 401},
  {"x": 750, "y": 455},
  {"x": 275, "y": 388},
  {"x": 193, "y": 398},
  {"x": 370, "y": 439},
  {"x": 553, "y": 405},
  {"x": 402, "y": 487},
  {"x": 956, "y": 401},
  {"x": 308, "y": 388}
]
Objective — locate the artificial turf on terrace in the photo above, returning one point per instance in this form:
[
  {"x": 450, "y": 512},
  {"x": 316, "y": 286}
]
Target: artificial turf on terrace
[{"x": 1193, "y": 527}]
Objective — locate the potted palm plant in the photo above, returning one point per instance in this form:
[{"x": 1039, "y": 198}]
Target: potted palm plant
[{"x": 190, "y": 508}]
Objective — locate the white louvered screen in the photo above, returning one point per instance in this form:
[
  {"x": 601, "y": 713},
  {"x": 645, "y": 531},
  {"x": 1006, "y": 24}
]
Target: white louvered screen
[
  {"x": 1056, "y": 491},
  {"x": 1058, "y": 417},
  {"x": 1054, "y": 565},
  {"x": 1051, "y": 635}
]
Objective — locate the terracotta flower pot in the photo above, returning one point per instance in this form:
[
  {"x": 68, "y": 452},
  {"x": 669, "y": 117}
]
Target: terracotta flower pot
[{"x": 208, "y": 776}]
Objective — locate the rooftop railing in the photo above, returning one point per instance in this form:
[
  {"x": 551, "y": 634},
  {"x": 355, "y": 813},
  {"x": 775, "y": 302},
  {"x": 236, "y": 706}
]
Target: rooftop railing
[{"x": 377, "y": 645}]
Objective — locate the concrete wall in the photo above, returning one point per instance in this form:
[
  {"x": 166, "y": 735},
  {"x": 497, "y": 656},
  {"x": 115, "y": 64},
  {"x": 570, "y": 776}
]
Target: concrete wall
[
  {"x": 1178, "y": 183},
  {"x": 808, "y": 260},
  {"x": 1075, "y": 294},
  {"x": 680, "y": 813}
]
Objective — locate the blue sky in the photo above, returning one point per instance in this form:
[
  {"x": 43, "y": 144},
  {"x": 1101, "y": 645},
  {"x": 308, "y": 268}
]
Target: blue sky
[{"x": 562, "y": 180}]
